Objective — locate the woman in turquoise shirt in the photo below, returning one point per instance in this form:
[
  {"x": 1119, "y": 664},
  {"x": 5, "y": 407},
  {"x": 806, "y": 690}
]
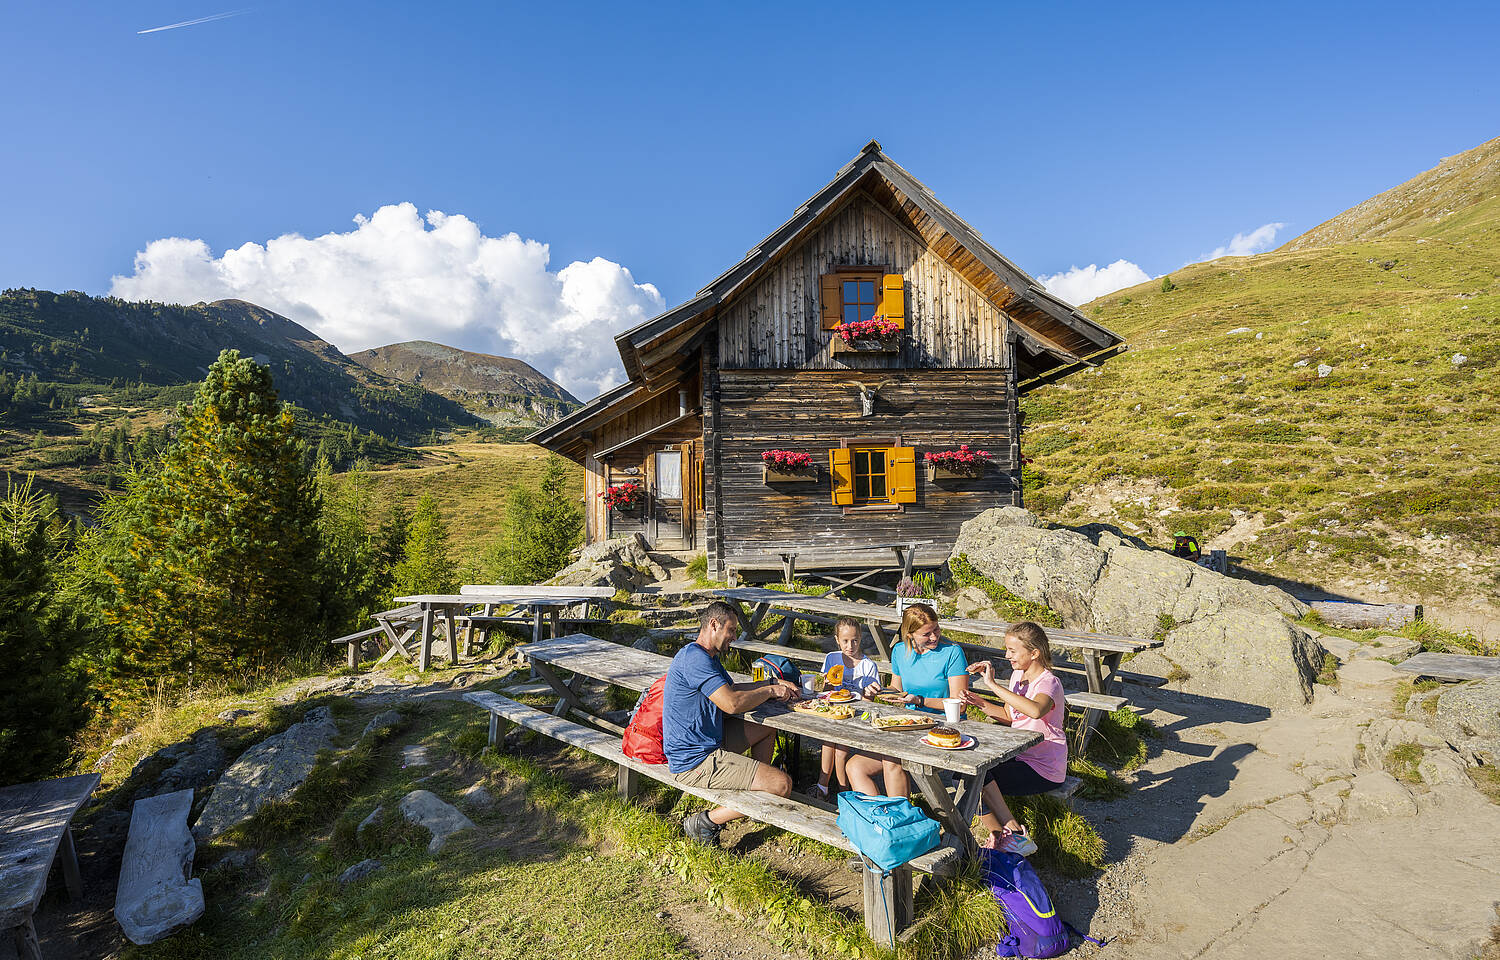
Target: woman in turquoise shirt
[{"x": 927, "y": 669}]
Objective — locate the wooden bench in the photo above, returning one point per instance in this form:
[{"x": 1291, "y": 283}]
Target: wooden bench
[
  {"x": 888, "y": 900},
  {"x": 157, "y": 893},
  {"x": 356, "y": 640},
  {"x": 1451, "y": 666},
  {"x": 36, "y": 830}
]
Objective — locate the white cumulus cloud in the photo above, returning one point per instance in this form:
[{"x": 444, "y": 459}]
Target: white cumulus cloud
[
  {"x": 401, "y": 276},
  {"x": 1248, "y": 244},
  {"x": 1079, "y": 285}
]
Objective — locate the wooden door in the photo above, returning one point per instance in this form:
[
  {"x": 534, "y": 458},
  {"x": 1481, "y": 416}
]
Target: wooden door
[{"x": 666, "y": 501}]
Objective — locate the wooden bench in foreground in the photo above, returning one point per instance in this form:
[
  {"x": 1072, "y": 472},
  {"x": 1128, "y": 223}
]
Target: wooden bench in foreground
[
  {"x": 36, "y": 829},
  {"x": 888, "y": 900},
  {"x": 1451, "y": 666}
]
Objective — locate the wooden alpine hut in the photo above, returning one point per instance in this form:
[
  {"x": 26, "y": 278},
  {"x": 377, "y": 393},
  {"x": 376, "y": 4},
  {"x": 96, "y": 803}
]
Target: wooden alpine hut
[{"x": 831, "y": 390}]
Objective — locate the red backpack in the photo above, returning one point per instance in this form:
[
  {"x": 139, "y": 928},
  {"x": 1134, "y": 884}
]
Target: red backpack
[{"x": 643, "y": 733}]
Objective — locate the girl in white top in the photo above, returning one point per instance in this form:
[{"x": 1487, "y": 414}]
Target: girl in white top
[{"x": 859, "y": 675}]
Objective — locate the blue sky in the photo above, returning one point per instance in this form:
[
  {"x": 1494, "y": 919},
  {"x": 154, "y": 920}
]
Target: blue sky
[{"x": 650, "y": 146}]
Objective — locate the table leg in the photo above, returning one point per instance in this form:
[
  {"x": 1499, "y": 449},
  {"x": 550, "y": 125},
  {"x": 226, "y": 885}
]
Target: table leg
[
  {"x": 27, "y": 945},
  {"x": 554, "y": 620},
  {"x": 888, "y": 904},
  {"x": 452, "y": 630},
  {"x": 761, "y": 609},
  {"x": 787, "y": 624},
  {"x": 68, "y": 854},
  {"x": 932, "y": 788},
  {"x": 398, "y": 645},
  {"x": 1093, "y": 670},
  {"x": 567, "y": 693},
  {"x": 878, "y": 635},
  {"x": 788, "y": 568},
  {"x": 352, "y": 653},
  {"x": 425, "y": 659}
]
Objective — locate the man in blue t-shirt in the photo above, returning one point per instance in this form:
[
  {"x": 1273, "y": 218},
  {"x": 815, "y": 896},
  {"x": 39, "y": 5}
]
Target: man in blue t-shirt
[{"x": 702, "y": 748}]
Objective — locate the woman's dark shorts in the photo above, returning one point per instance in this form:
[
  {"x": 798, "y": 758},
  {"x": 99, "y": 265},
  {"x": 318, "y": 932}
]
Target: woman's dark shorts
[{"x": 1016, "y": 778}]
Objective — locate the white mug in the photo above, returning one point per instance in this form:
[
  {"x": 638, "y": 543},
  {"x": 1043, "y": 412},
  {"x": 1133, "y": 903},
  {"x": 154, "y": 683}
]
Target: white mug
[{"x": 953, "y": 709}]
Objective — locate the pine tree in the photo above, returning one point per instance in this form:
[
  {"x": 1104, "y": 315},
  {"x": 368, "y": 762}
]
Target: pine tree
[
  {"x": 220, "y": 575},
  {"x": 354, "y": 576},
  {"x": 43, "y": 693},
  {"x": 425, "y": 566}
]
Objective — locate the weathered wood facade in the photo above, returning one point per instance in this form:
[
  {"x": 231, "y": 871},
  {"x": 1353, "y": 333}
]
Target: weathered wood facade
[{"x": 751, "y": 365}]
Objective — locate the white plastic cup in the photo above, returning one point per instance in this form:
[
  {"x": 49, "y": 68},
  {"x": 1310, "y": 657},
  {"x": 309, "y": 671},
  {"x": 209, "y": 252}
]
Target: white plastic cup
[
  {"x": 953, "y": 709},
  {"x": 808, "y": 690}
]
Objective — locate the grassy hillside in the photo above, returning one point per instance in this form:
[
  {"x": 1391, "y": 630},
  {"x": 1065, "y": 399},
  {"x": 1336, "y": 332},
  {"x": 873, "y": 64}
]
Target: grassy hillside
[
  {"x": 470, "y": 482},
  {"x": 1379, "y": 479}
]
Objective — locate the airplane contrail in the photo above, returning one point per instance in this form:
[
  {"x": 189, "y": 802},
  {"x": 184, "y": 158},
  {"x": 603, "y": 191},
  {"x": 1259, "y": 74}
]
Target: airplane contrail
[{"x": 189, "y": 23}]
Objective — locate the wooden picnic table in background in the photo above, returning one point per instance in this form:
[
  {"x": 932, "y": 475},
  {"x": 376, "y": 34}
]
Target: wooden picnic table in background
[
  {"x": 905, "y": 554},
  {"x": 1100, "y": 653},
  {"x": 36, "y": 829},
  {"x": 586, "y": 657},
  {"x": 415, "y": 621}
]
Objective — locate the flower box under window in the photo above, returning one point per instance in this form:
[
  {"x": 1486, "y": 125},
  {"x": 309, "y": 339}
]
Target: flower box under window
[
  {"x": 787, "y": 466},
  {"x": 962, "y": 464}
]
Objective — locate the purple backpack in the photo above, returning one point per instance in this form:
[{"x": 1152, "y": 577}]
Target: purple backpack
[{"x": 1033, "y": 928}]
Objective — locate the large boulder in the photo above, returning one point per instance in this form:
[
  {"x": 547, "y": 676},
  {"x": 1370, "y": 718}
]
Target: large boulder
[
  {"x": 271, "y": 770},
  {"x": 623, "y": 563},
  {"x": 1467, "y": 714},
  {"x": 1224, "y": 637}
]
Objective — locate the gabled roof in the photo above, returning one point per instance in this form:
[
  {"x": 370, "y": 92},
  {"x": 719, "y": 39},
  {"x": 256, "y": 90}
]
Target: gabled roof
[{"x": 1052, "y": 333}]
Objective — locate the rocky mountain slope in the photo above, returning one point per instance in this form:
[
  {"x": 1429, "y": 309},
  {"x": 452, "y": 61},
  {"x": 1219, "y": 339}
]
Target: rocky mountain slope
[
  {"x": 1326, "y": 414},
  {"x": 104, "y": 342},
  {"x": 501, "y": 390}
]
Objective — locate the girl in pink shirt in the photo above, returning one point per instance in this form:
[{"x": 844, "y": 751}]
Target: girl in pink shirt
[{"x": 1033, "y": 700}]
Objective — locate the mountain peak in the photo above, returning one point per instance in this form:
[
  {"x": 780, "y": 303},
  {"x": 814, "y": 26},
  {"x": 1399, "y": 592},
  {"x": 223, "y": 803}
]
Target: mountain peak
[
  {"x": 1459, "y": 195},
  {"x": 503, "y": 390}
]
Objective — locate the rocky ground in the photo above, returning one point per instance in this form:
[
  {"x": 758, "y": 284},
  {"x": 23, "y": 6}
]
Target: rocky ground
[{"x": 1254, "y": 835}]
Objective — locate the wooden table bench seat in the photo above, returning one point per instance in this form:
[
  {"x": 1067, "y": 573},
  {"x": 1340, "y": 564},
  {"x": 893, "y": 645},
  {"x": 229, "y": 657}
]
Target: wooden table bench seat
[
  {"x": 356, "y": 640},
  {"x": 816, "y": 821}
]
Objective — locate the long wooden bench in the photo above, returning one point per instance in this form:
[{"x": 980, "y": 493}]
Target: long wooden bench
[
  {"x": 888, "y": 900},
  {"x": 356, "y": 640}
]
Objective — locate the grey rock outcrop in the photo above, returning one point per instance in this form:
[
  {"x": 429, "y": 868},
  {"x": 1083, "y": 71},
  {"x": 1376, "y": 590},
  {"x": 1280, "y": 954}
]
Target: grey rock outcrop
[
  {"x": 271, "y": 770},
  {"x": 196, "y": 766},
  {"x": 156, "y": 893},
  {"x": 623, "y": 563},
  {"x": 1225, "y": 637},
  {"x": 442, "y": 820},
  {"x": 387, "y": 720},
  {"x": 1468, "y": 714}
]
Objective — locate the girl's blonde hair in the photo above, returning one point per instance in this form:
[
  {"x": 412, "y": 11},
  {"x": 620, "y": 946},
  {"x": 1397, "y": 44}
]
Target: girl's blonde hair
[
  {"x": 1034, "y": 638},
  {"x": 916, "y": 615}
]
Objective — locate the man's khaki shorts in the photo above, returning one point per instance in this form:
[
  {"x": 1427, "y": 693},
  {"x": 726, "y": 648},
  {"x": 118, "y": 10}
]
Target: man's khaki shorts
[
  {"x": 721, "y": 770},
  {"x": 726, "y": 768}
]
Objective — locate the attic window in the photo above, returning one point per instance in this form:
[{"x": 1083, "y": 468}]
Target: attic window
[{"x": 855, "y": 295}]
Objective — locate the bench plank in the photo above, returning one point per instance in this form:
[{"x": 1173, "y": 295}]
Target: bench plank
[
  {"x": 34, "y": 817},
  {"x": 156, "y": 894},
  {"x": 800, "y": 818},
  {"x": 1451, "y": 666}
]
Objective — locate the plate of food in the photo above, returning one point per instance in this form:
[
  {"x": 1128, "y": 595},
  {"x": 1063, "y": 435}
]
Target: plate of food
[
  {"x": 832, "y": 711},
  {"x": 895, "y": 723},
  {"x": 947, "y": 738},
  {"x": 841, "y": 696}
]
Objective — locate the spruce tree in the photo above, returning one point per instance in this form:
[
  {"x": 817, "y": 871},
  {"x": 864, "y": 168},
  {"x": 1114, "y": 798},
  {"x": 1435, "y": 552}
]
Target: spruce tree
[
  {"x": 43, "y": 693},
  {"x": 541, "y": 528},
  {"x": 220, "y": 576},
  {"x": 425, "y": 566}
]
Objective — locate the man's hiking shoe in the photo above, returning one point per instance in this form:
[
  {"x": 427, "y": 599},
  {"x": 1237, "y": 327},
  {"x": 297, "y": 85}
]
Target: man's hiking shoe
[{"x": 699, "y": 827}]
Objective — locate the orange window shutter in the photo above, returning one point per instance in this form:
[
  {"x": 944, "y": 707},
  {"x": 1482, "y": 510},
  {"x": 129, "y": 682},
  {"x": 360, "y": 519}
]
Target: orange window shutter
[
  {"x": 901, "y": 474},
  {"x": 841, "y": 468},
  {"x": 830, "y": 301},
  {"x": 893, "y": 300}
]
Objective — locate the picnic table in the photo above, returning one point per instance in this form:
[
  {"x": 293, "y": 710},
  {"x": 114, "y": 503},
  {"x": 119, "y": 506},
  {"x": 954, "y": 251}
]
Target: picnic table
[
  {"x": 1100, "y": 654},
  {"x": 415, "y": 620},
  {"x": 905, "y": 554},
  {"x": 36, "y": 829},
  {"x": 586, "y": 657}
]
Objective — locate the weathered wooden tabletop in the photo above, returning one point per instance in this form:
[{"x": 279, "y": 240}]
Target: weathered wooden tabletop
[
  {"x": 33, "y": 819},
  {"x": 463, "y": 600},
  {"x": 637, "y": 669}
]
